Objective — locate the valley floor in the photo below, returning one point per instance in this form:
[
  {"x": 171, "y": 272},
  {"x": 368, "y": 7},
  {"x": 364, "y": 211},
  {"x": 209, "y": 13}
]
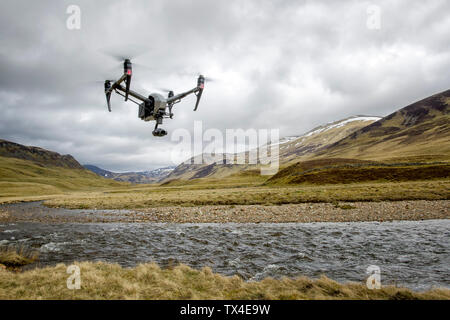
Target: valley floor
[{"x": 223, "y": 202}]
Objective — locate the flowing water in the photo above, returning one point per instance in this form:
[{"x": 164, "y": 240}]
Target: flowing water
[{"x": 414, "y": 254}]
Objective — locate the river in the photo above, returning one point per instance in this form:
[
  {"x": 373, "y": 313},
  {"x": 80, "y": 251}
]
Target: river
[{"x": 413, "y": 254}]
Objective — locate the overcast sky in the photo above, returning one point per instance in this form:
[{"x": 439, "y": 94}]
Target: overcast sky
[{"x": 290, "y": 65}]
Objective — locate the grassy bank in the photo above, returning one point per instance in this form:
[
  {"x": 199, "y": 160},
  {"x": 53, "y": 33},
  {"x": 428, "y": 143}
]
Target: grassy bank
[
  {"x": 159, "y": 196},
  {"x": 149, "y": 281},
  {"x": 14, "y": 258}
]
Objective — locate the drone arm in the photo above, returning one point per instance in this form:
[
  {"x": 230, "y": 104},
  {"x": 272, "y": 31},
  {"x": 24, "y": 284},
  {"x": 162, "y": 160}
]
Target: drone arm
[
  {"x": 182, "y": 95},
  {"x": 121, "y": 94},
  {"x": 131, "y": 93}
]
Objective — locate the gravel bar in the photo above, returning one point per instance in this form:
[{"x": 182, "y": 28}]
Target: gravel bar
[{"x": 302, "y": 213}]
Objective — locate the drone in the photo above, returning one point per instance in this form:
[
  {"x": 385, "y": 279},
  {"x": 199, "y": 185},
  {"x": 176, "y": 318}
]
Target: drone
[{"x": 156, "y": 105}]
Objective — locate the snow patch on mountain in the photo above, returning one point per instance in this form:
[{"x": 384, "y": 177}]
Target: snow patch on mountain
[
  {"x": 160, "y": 172},
  {"x": 339, "y": 124},
  {"x": 283, "y": 142}
]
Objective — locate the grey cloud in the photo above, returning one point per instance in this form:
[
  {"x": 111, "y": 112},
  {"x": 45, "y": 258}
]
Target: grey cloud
[{"x": 290, "y": 65}]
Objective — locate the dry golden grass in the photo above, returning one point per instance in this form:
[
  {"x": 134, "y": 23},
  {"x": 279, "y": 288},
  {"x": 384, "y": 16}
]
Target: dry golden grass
[
  {"x": 149, "y": 281},
  {"x": 16, "y": 257},
  {"x": 158, "y": 196}
]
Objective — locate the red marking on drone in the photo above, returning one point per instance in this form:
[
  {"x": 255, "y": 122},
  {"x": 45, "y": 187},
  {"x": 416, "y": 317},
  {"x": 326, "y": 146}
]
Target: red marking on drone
[
  {"x": 129, "y": 72},
  {"x": 202, "y": 86}
]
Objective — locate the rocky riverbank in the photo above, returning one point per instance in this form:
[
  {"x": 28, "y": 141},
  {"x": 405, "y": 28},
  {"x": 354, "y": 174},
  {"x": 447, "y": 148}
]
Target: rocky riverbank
[{"x": 305, "y": 212}]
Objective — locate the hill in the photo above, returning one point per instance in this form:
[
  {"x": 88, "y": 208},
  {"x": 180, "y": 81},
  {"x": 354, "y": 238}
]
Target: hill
[
  {"x": 418, "y": 132},
  {"x": 38, "y": 155},
  {"x": 32, "y": 171},
  {"x": 291, "y": 150},
  {"x": 322, "y": 137},
  {"x": 410, "y": 144}
]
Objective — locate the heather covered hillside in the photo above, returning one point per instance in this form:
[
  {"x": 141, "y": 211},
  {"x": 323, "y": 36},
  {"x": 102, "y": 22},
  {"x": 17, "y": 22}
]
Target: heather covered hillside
[{"x": 420, "y": 131}]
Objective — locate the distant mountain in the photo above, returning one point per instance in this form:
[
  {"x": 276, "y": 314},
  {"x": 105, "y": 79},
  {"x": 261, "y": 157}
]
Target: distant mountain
[
  {"x": 151, "y": 176},
  {"x": 291, "y": 149},
  {"x": 37, "y": 155},
  {"x": 159, "y": 172},
  {"x": 412, "y": 143},
  {"x": 419, "y": 131},
  {"x": 99, "y": 171}
]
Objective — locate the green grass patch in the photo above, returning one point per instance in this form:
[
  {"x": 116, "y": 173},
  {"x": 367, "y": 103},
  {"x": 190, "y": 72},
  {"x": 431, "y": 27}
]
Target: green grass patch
[
  {"x": 265, "y": 195},
  {"x": 19, "y": 178}
]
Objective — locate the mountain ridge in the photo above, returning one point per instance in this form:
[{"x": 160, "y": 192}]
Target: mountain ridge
[
  {"x": 419, "y": 129},
  {"x": 37, "y": 155},
  {"x": 291, "y": 148}
]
